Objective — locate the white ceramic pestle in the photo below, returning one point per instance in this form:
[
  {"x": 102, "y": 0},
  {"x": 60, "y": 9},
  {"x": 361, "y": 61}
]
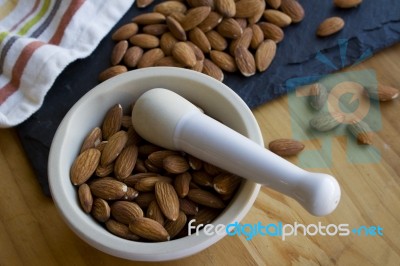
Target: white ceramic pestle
[{"x": 170, "y": 121}]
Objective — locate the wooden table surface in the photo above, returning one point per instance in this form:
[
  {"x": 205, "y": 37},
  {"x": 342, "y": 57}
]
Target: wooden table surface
[{"x": 33, "y": 233}]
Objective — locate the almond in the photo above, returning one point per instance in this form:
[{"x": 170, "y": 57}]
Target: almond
[
  {"x": 130, "y": 194},
  {"x": 148, "y": 229},
  {"x": 125, "y": 162},
  {"x": 229, "y": 28},
  {"x": 158, "y": 157},
  {"x": 112, "y": 121},
  {"x": 318, "y": 96},
  {"x": 265, "y": 53},
  {"x": 132, "y": 56},
  {"x": 195, "y": 16},
  {"x": 176, "y": 29},
  {"x": 174, "y": 227},
  {"x": 178, "y": 16},
  {"x": 205, "y": 216},
  {"x": 212, "y": 20},
  {"x": 226, "y": 8},
  {"x": 223, "y": 60},
  {"x": 140, "y": 167},
  {"x": 133, "y": 136},
  {"x": 226, "y": 183},
  {"x": 151, "y": 167},
  {"x": 145, "y": 41},
  {"x": 271, "y": 31},
  {"x": 258, "y": 36},
  {"x": 84, "y": 166},
  {"x": 167, "y": 199},
  {"x": 85, "y": 197},
  {"x": 150, "y": 57},
  {"x": 108, "y": 189},
  {"x": 143, "y": 3},
  {"x": 155, "y": 29},
  {"x": 197, "y": 51},
  {"x": 198, "y": 37},
  {"x": 154, "y": 212},
  {"x": 277, "y": 17},
  {"x": 103, "y": 171},
  {"x": 118, "y": 52},
  {"x": 120, "y": 229},
  {"x": 243, "y": 41},
  {"x": 101, "y": 145},
  {"x": 167, "y": 42},
  {"x": 168, "y": 61},
  {"x": 112, "y": 72},
  {"x": 217, "y": 41},
  {"x": 242, "y": 22},
  {"x": 100, "y": 210},
  {"x": 125, "y": 211},
  {"x": 205, "y": 198},
  {"x": 383, "y": 93},
  {"x": 258, "y": 14},
  {"x": 211, "y": 169},
  {"x": 92, "y": 139},
  {"x": 293, "y": 9},
  {"x": 194, "y": 163},
  {"x": 144, "y": 199},
  {"x": 168, "y": 7},
  {"x": 326, "y": 121},
  {"x": 247, "y": 8},
  {"x": 330, "y": 26},
  {"x": 188, "y": 207},
  {"x": 149, "y": 18},
  {"x": 198, "y": 66},
  {"x": 201, "y": 178},
  {"x": 212, "y": 70},
  {"x": 175, "y": 164},
  {"x": 285, "y": 147},
  {"x": 113, "y": 147},
  {"x": 197, "y": 3},
  {"x": 274, "y": 3},
  {"x": 181, "y": 184},
  {"x": 361, "y": 131},
  {"x": 184, "y": 54},
  {"x": 125, "y": 32},
  {"x": 245, "y": 61},
  {"x": 347, "y": 3},
  {"x": 148, "y": 183}
]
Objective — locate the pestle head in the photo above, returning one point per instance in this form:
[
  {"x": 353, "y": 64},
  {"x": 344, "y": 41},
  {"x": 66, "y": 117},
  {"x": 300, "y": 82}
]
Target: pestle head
[{"x": 156, "y": 114}]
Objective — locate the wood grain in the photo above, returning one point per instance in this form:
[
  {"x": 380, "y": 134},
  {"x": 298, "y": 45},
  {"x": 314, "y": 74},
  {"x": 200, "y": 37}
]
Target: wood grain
[{"x": 33, "y": 233}]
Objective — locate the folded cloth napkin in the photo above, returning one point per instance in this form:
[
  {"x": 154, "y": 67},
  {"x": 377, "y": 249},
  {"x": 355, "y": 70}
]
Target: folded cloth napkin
[{"x": 38, "y": 39}]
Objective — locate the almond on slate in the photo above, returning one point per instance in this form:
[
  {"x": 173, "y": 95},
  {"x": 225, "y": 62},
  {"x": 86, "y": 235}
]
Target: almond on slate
[
  {"x": 154, "y": 212},
  {"x": 195, "y": 16},
  {"x": 217, "y": 41},
  {"x": 113, "y": 147},
  {"x": 85, "y": 197},
  {"x": 112, "y": 121},
  {"x": 205, "y": 198},
  {"x": 184, "y": 54},
  {"x": 167, "y": 42},
  {"x": 125, "y": 162},
  {"x": 188, "y": 206},
  {"x": 383, "y": 93},
  {"x": 265, "y": 53},
  {"x": 120, "y": 229},
  {"x": 293, "y": 9},
  {"x": 84, "y": 166},
  {"x": 258, "y": 36},
  {"x": 226, "y": 8},
  {"x": 175, "y": 164},
  {"x": 230, "y": 28},
  {"x": 285, "y": 147},
  {"x": 212, "y": 20},
  {"x": 271, "y": 31},
  {"x": 145, "y": 41},
  {"x": 247, "y": 8},
  {"x": 245, "y": 61},
  {"x": 132, "y": 56},
  {"x": 100, "y": 210},
  {"x": 277, "y": 17},
  {"x": 112, "y": 72},
  {"x": 148, "y": 183},
  {"x": 155, "y": 29},
  {"x": 167, "y": 200},
  {"x": 108, "y": 189},
  {"x": 168, "y": 7},
  {"x": 176, "y": 29},
  {"x": 226, "y": 183},
  {"x": 330, "y": 26},
  {"x": 149, "y": 18},
  {"x": 362, "y": 132},
  {"x": 150, "y": 57},
  {"x": 347, "y": 3},
  {"x": 125, "y": 32},
  {"x": 148, "y": 229},
  {"x": 274, "y": 3},
  {"x": 326, "y": 121},
  {"x": 125, "y": 211},
  {"x": 257, "y": 15},
  {"x": 198, "y": 37},
  {"x": 243, "y": 40},
  {"x": 181, "y": 184},
  {"x": 318, "y": 96},
  {"x": 212, "y": 70},
  {"x": 118, "y": 52},
  {"x": 223, "y": 60},
  {"x": 174, "y": 227},
  {"x": 92, "y": 139}
]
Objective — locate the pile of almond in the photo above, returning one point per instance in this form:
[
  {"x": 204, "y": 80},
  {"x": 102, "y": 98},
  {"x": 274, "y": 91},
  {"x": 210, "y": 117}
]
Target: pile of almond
[
  {"x": 140, "y": 191},
  {"x": 209, "y": 36}
]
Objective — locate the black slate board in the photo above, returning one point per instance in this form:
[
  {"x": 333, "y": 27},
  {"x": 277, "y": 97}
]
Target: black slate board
[{"x": 301, "y": 57}]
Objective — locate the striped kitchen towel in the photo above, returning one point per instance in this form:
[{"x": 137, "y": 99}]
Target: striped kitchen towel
[{"x": 38, "y": 39}]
